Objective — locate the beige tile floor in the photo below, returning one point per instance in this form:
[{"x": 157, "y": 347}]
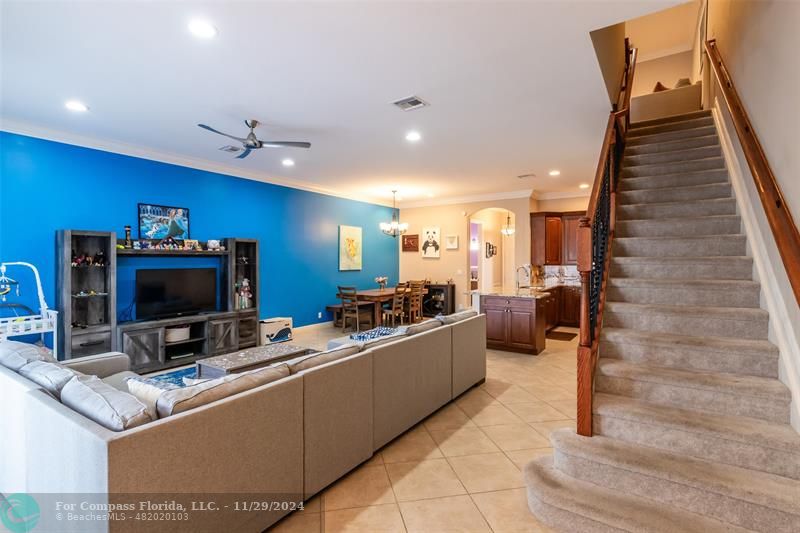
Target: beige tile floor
[{"x": 459, "y": 469}]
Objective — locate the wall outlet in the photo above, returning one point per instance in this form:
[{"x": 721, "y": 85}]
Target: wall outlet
[{"x": 319, "y": 315}]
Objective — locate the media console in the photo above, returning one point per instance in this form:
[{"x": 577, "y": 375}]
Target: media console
[{"x": 87, "y": 298}]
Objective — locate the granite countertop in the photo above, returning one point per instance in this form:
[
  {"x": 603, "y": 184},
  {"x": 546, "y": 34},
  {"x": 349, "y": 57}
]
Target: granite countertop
[{"x": 520, "y": 293}]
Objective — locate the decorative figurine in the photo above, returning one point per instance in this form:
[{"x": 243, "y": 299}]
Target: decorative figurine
[
  {"x": 245, "y": 295},
  {"x": 128, "y": 242},
  {"x": 381, "y": 281},
  {"x": 100, "y": 258}
]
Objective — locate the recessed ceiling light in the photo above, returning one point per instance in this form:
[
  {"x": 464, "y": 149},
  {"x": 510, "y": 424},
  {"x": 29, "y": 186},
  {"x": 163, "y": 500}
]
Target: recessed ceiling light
[
  {"x": 288, "y": 162},
  {"x": 583, "y": 186},
  {"x": 202, "y": 29},
  {"x": 555, "y": 172},
  {"x": 413, "y": 136},
  {"x": 75, "y": 105},
  {"x": 430, "y": 195}
]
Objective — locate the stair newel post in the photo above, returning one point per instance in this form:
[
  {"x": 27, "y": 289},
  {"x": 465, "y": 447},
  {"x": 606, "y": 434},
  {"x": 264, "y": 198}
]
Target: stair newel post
[{"x": 585, "y": 363}]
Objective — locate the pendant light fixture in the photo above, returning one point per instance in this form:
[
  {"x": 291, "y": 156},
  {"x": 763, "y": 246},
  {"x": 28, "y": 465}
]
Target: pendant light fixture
[
  {"x": 508, "y": 229},
  {"x": 394, "y": 228}
]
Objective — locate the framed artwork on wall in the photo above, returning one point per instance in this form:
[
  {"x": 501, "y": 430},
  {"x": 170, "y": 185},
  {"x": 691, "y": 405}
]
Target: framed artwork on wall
[
  {"x": 159, "y": 222},
  {"x": 350, "y": 243},
  {"x": 451, "y": 242},
  {"x": 411, "y": 243},
  {"x": 431, "y": 239}
]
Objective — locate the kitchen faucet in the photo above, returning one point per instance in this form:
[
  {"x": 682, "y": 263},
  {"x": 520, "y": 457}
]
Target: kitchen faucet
[{"x": 527, "y": 270}]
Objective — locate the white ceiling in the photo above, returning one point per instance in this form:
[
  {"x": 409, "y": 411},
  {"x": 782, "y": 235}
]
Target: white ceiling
[{"x": 514, "y": 88}]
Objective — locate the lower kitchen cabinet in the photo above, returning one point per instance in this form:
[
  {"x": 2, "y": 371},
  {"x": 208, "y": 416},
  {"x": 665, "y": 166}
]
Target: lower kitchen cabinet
[
  {"x": 570, "y": 306},
  {"x": 514, "y": 323}
]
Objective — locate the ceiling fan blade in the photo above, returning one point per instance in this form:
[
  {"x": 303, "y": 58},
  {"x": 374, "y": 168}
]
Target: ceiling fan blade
[
  {"x": 209, "y": 128},
  {"x": 285, "y": 144},
  {"x": 244, "y": 154}
]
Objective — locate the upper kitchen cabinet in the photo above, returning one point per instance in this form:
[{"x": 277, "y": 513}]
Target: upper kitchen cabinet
[
  {"x": 554, "y": 238},
  {"x": 546, "y": 237}
]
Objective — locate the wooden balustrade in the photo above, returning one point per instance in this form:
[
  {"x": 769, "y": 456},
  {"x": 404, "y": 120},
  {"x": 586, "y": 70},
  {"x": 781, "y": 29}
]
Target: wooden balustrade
[
  {"x": 595, "y": 235},
  {"x": 784, "y": 229}
]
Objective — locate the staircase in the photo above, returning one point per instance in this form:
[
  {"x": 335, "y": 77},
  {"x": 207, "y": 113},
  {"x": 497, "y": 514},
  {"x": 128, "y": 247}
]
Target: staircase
[{"x": 690, "y": 421}]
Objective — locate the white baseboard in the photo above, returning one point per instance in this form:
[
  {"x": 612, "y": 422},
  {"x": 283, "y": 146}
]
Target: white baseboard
[
  {"x": 311, "y": 327},
  {"x": 783, "y": 332}
]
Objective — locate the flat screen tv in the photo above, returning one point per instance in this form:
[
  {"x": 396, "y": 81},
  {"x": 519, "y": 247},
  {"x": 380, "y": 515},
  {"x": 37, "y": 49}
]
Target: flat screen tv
[{"x": 162, "y": 293}]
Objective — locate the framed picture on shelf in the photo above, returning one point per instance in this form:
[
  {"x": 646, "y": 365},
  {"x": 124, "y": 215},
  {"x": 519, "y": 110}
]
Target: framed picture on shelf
[
  {"x": 451, "y": 242},
  {"x": 350, "y": 243},
  {"x": 431, "y": 247},
  {"x": 411, "y": 243},
  {"x": 158, "y": 222}
]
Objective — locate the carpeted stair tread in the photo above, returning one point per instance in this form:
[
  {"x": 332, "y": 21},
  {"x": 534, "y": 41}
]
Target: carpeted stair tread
[
  {"x": 679, "y": 227},
  {"x": 691, "y": 178},
  {"x": 739, "y": 429},
  {"x": 645, "y": 211},
  {"x": 705, "y": 191},
  {"x": 710, "y": 284},
  {"x": 667, "y": 136},
  {"x": 673, "y": 167},
  {"x": 676, "y": 145},
  {"x": 676, "y": 125},
  {"x": 755, "y": 347},
  {"x": 737, "y": 293},
  {"x": 701, "y": 267},
  {"x": 697, "y": 311},
  {"x": 681, "y": 117},
  {"x": 680, "y": 246},
  {"x": 734, "y": 384},
  {"x": 687, "y": 154},
  {"x": 775, "y": 493},
  {"x": 704, "y": 353},
  {"x": 579, "y": 507}
]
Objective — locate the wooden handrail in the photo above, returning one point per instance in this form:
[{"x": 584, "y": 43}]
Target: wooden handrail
[
  {"x": 784, "y": 229},
  {"x": 595, "y": 235}
]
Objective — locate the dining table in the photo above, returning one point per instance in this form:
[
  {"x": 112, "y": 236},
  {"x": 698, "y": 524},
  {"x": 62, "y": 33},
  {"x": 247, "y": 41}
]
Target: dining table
[{"x": 377, "y": 297}]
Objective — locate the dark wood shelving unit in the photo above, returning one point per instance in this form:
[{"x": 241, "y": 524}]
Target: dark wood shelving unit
[{"x": 171, "y": 253}]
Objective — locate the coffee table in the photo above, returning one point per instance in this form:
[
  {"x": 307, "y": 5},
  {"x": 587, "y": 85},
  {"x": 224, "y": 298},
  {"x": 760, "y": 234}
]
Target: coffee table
[{"x": 249, "y": 359}]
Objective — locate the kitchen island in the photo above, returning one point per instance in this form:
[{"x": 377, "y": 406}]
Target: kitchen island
[{"x": 515, "y": 320}]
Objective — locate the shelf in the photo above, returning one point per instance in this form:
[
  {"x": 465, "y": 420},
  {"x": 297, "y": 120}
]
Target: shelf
[
  {"x": 98, "y": 295},
  {"x": 171, "y": 253},
  {"x": 88, "y": 330},
  {"x": 88, "y": 267},
  {"x": 185, "y": 341}
]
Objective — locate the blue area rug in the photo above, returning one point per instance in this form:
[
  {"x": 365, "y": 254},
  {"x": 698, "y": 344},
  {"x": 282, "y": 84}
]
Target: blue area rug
[{"x": 175, "y": 377}]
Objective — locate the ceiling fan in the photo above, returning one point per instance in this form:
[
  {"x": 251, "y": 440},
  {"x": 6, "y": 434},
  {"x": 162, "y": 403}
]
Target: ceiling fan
[{"x": 251, "y": 142}]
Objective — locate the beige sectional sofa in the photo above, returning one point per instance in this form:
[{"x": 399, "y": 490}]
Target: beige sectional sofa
[{"x": 285, "y": 440}]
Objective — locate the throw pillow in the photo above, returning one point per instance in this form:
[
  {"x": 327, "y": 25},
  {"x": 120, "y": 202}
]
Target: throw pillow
[
  {"x": 420, "y": 327},
  {"x": 373, "y": 333},
  {"x": 148, "y": 391},
  {"x": 99, "y": 401},
  {"x": 51, "y": 377},
  {"x": 14, "y": 355},
  {"x": 176, "y": 401}
]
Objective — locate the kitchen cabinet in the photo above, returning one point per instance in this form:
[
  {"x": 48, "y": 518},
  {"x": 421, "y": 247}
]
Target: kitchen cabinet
[
  {"x": 546, "y": 239},
  {"x": 570, "y": 223},
  {"x": 570, "y": 306},
  {"x": 514, "y": 323},
  {"x": 554, "y": 238},
  {"x": 552, "y": 307}
]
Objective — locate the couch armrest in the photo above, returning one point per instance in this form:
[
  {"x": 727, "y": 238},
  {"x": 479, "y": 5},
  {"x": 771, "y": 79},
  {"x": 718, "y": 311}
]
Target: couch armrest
[{"x": 101, "y": 365}]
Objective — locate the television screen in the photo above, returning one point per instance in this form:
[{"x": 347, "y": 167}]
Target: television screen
[{"x": 162, "y": 293}]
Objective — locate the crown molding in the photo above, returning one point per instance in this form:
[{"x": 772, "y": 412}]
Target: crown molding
[
  {"x": 469, "y": 199},
  {"x": 40, "y": 132},
  {"x": 560, "y": 195}
]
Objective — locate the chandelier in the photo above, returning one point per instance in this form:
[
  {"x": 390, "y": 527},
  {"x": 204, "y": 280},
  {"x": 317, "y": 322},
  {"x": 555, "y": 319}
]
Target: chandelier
[
  {"x": 508, "y": 229},
  {"x": 394, "y": 228}
]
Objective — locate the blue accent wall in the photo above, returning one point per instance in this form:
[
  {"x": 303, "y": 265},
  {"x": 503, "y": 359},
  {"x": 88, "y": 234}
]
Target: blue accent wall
[{"x": 46, "y": 186}]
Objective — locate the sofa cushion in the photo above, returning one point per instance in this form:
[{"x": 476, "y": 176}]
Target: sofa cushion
[
  {"x": 50, "y": 376},
  {"x": 148, "y": 391},
  {"x": 99, "y": 401},
  {"x": 176, "y": 401},
  {"x": 14, "y": 355},
  {"x": 310, "y": 361},
  {"x": 425, "y": 325},
  {"x": 120, "y": 380},
  {"x": 456, "y": 317}
]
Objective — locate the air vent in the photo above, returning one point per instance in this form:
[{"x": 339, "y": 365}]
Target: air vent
[
  {"x": 526, "y": 176},
  {"x": 231, "y": 149},
  {"x": 410, "y": 103}
]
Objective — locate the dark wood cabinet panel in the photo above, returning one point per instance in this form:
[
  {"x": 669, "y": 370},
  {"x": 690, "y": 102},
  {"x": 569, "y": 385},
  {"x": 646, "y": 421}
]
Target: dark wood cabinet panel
[
  {"x": 570, "y": 306},
  {"x": 521, "y": 326},
  {"x": 570, "y": 245},
  {"x": 537, "y": 240},
  {"x": 552, "y": 308},
  {"x": 553, "y": 240},
  {"x": 496, "y": 327}
]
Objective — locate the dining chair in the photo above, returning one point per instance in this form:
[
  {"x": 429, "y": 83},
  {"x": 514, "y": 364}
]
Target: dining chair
[
  {"x": 414, "y": 297},
  {"x": 396, "y": 307},
  {"x": 353, "y": 309}
]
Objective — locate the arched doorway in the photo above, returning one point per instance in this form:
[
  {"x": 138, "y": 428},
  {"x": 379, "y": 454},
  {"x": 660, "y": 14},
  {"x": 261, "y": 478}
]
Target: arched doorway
[{"x": 490, "y": 261}]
